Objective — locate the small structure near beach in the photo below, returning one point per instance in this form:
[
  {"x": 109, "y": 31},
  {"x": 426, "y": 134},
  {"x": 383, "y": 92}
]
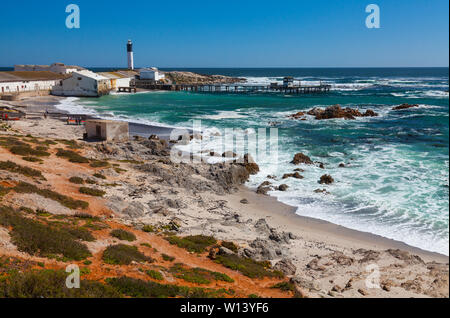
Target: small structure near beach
[{"x": 109, "y": 130}]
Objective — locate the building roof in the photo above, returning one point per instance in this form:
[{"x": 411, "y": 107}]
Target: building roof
[
  {"x": 114, "y": 75},
  {"x": 105, "y": 121},
  {"x": 30, "y": 76},
  {"x": 91, "y": 75}
]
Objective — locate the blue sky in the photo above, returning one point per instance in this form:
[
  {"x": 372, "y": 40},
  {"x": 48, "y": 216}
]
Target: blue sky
[{"x": 232, "y": 33}]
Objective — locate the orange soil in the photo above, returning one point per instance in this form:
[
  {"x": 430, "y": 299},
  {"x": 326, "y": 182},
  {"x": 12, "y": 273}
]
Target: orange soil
[{"x": 57, "y": 171}]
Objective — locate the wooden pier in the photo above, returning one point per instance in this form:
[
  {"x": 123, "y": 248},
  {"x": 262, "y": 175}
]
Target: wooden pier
[{"x": 236, "y": 88}]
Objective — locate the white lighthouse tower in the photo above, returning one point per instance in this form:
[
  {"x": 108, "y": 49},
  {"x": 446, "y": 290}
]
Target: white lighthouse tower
[{"x": 130, "y": 55}]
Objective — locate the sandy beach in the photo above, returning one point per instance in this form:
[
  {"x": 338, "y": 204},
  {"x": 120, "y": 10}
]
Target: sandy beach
[{"x": 321, "y": 258}]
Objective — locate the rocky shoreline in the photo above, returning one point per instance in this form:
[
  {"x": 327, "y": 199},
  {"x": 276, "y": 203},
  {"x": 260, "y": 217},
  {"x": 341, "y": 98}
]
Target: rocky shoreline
[{"x": 319, "y": 259}]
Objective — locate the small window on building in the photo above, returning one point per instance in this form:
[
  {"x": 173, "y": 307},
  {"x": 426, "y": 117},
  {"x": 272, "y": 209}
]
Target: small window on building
[{"x": 79, "y": 78}]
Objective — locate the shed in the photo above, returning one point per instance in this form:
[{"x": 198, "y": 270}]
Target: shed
[{"x": 106, "y": 130}]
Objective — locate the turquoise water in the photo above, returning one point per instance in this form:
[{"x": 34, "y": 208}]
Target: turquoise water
[{"x": 397, "y": 177}]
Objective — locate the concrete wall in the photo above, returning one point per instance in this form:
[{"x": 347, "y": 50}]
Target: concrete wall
[
  {"x": 82, "y": 86},
  {"x": 27, "y": 86},
  {"x": 151, "y": 75},
  {"x": 109, "y": 130}
]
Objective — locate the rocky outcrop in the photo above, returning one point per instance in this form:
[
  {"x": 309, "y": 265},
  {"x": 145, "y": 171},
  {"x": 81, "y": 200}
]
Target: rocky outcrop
[
  {"x": 301, "y": 158},
  {"x": 326, "y": 179},
  {"x": 297, "y": 115},
  {"x": 337, "y": 111},
  {"x": 295, "y": 175},
  {"x": 283, "y": 187},
  {"x": 286, "y": 267},
  {"x": 250, "y": 164},
  {"x": 194, "y": 78},
  {"x": 404, "y": 106}
]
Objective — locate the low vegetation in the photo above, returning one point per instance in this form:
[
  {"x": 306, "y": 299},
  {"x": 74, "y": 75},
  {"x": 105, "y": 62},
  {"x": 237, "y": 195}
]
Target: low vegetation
[
  {"x": 230, "y": 245},
  {"x": 123, "y": 235},
  {"x": 32, "y": 159},
  {"x": 92, "y": 192},
  {"x": 72, "y": 156},
  {"x": 99, "y": 164},
  {"x": 27, "y": 150},
  {"x": 36, "y": 238},
  {"x": 192, "y": 243},
  {"x": 24, "y": 187},
  {"x": 198, "y": 275},
  {"x": 138, "y": 288},
  {"x": 155, "y": 274},
  {"x": 167, "y": 258},
  {"x": 15, "y": 168},
  {"x": 284, "y": 286},
  {"x": 99, "y": 175},
  {"x": 51, "y": 284},
  {"x": 247, "y": 266},
  {"x": 76, "y": 180},
  {"x": 122, "y": 254}
]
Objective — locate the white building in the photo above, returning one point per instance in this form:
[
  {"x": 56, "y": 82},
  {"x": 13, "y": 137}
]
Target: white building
[
  {"x": 119, "y": 78},
  {"x": 151, "y": 74},
  {"x": 59, "y": 68},
  {"x": 83, "y": 84},
  {"x": 20, "y": 82}
]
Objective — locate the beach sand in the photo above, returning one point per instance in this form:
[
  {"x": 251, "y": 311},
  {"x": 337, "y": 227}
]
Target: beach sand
[{"x": 329, "y": 260}]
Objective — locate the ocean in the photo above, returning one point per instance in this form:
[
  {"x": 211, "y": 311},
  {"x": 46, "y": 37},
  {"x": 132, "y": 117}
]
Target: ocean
[{"x": 396, "y": 179}]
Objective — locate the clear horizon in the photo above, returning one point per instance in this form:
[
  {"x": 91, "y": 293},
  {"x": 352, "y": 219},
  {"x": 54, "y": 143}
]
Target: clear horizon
[{"x": 254, "y": 34}]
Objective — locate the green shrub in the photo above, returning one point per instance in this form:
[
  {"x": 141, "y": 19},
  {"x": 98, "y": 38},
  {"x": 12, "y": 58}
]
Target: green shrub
[
  {"x": 230, "y": 245},
  {"x": 155, "y": 274},
  {"x": 123, "y": 235},
  {"x": 15, "y": 168},
  {"x": 123, "y": 255},
  {"x": 76, "y": 180},
  {"x": 138, "y": 288},
  {"x": 24, "y": 187},
  {"x": 284, "y": 286},
  {"x": 92, "y": 192},
  {"x": 99, "y": 175},
  {"x": 198, "y": 275},
  {"x": 148, "y": 228},
  {"x": 192, "y": 243},
  {"x": 247, "y": 266},
  {"x": 32, "y": 159},
  {"x": 71, "y": 143},
  {"x": 167, "y": 258},
  {"x": 72, "y": 156},
  {"x": 26, "y": 150},
  {"x": 36, "y": 238},
  {"x": 99, "y": 164},
  {"x": 51, "y": 284}
]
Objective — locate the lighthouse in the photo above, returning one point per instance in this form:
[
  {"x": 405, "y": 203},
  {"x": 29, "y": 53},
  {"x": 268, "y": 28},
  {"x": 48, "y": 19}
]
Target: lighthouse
[{"x": 130, "y": 55}]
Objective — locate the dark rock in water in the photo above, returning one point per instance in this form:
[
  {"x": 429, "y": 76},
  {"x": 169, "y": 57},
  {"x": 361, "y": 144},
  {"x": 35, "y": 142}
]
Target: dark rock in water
[
  {"x": 296, "y": 115},
  {"x": 342, "y": 165},
  {"x": 265, "y": 184},
  {"x": 229, "y": 154},
  {"x": 283, "y": 187},
  {"x": 153, "y": 137},
  {"x": 404, "y": 106},
  {"x": 337, "y": 111},
  {"x": 321, "y": 165},
  {"x": 271, "y": 177},
  {"x": 263, "y": 190},
  {"x": 370, "y": 113},
  {"x": 244, "y": 201},
  {"x": 250, "y": 164},
  {"x": 215, "y": 154},
  {"x": 326, "y": 179},
  {"x": 301, "y": 158},
  {"x": 299, "y": 170},
  {"x": 286, "y": 267},
  {"x": 292, "y": 175},
  {"x": 321, "y": 191}
]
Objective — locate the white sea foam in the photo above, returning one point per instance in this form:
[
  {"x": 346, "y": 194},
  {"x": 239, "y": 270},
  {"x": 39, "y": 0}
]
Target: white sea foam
[{"x": 224, "y": 115}]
